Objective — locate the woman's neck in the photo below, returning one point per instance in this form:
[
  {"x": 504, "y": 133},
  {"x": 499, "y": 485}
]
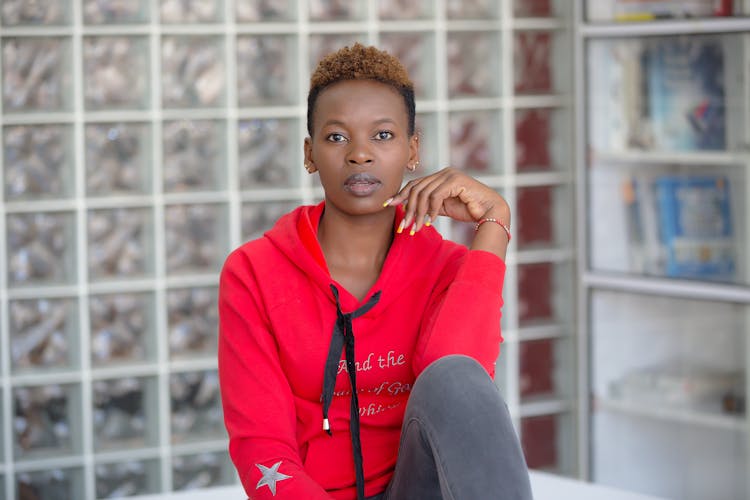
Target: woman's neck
[{"x": 355, "y": 247}]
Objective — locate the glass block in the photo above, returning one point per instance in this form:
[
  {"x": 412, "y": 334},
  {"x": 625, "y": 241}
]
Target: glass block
[
  {"x": 36, "y": 74},
  {"x": 546, "y": 369},
  {"x": 542, "y": 217},
  {"x": 124, "y": 479},
  {"x": 416, "y": 51},
  {"x": 122, "y": 328},
  {"x": 266, "y": 153},
  {"x": 266, "y": 70},
  {"x": 193, "y": 322},
  {"x": 473, "y": 64},
  {"x": 533, "y": 58},
  {"x": 405, "y": 9},
  {"x": 53, "y": 484},
  {"x": 46, "y": 420},
  {"x": 682, "y": 222},
  {"x": 194, "y": 158},
  {"x": 534, "y": 8},
  {"x": 475, "y": 141},
  {"x": 196, "y": 406},
  {"x": 120, "y": 243},
  {"x": 191, "y": 11},
  {"x": 259, "y": 217},
  {"x": 337, "y": 10},
  {"x": 118, "y": 157},
  {"x": 251, "y": 11},
  {"x": 322, "y": 45},
  {"x": 115, "y": 11},
  {"x": 545, "y": 294},
  {"x": 41, "y": 248},
  {"x": 37, "y": 13},
  {"x": 115, "y": 72},
  {"x": 43, "y": 334},
  {"x": 192, "y": 71},
  {"x": 125, "y": 413},
  {"x": 548, "y": 443},
  {"x": 190, "y": 472},
  {"x": 543, "y": 140},
  {"x": 471, "y": 9},
  {"x": 38, "y": 162},
  {"x": 427, "y": 128},
  {"x": 196, "y": 237}
]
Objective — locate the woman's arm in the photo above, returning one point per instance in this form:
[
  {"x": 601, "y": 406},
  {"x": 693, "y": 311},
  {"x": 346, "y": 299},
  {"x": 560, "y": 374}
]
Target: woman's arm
[
  {"x": 463, "y": 313},
  {"x": 259, "y": 410},
  {"x": 452, "y": 193}
]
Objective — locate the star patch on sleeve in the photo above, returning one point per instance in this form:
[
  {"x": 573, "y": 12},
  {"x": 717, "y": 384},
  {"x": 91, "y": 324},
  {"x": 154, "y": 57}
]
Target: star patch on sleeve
[{"x": 271, "y": 476}]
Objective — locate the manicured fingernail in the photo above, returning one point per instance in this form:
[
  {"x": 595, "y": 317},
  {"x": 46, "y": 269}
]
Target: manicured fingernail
[
  {"x": 411, "y": 233},
  {"x": 427, "y": 221},
  {"x": 401, "y": 227},
  {"x": 387, "y": 202}
]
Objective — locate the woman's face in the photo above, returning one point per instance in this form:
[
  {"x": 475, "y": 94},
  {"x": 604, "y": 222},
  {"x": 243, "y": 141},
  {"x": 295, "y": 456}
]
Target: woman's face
[{"x": 360, "y": 145}]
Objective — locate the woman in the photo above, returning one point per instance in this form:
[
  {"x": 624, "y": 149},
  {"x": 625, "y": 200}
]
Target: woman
[{"x": 356, "y": 345}]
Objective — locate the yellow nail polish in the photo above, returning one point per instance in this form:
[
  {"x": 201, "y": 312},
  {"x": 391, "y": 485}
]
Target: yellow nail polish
[
  {"x": 427, "y": 221},
  {"x": 411, "y": 233},
  {"x": 400, "y": 227},
  {"x": 387, "y": 202}
]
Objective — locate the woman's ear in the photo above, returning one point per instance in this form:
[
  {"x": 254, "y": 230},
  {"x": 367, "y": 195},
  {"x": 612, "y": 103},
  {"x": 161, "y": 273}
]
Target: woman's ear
[
  {"x": 309, "y": 163},
  {"x": 413, "y": 162}
]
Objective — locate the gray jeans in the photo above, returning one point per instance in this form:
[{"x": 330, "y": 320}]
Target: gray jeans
[{"x": 457, "y": 440}]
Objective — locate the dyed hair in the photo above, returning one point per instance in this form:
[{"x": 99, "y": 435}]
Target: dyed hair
[{"x": 361, "y": 63}]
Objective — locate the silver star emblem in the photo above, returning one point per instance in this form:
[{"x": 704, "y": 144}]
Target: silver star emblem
[{"x": 271, "y": 476}]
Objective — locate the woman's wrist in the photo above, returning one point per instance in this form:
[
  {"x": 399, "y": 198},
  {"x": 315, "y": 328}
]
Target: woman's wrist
[{"x": 493, "y": 235}]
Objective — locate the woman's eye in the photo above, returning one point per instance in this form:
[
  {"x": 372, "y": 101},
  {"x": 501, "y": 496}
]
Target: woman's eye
[
  {"x": 336, "y": 138},
  {"x": 384, "y": 135}
]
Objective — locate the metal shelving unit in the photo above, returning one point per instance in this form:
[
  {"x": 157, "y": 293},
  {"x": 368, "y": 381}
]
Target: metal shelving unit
[
  {"x": 173, "y": 438},
  {"x": 638, "y": 323}
]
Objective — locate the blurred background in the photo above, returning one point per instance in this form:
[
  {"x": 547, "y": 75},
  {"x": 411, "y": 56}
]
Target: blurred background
[{"x": 143, "y": 140}]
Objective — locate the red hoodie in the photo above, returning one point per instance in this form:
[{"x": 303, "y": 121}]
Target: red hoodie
[{"x": 277, "y": 314}]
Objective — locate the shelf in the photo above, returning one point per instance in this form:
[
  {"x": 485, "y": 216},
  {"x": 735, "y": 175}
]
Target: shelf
[
  {"x": 665, "y": 286},
  {"x": 683, "y": 416},
  {"x": 663, "y": 28},
  {"x": 648, "y": 159},
  {"x": 545, "y": 406}
]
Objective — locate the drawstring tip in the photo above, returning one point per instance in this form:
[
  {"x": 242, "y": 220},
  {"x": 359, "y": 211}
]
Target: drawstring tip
[{"x": 326, "y": 425}]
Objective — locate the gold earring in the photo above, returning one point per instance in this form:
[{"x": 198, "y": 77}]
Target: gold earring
[{"x": 308, "y": 167}]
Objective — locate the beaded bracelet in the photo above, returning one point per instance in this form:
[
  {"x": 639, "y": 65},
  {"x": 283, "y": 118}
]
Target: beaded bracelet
[{"x": 496, "y": 221}]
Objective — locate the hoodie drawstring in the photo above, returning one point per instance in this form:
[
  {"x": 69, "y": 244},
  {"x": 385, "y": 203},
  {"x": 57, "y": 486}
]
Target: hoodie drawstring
[{"x": 343, "y": 338}]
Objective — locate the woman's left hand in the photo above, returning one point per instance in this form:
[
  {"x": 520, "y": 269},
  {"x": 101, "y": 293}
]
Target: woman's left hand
[{"x": 452, "y": 193}]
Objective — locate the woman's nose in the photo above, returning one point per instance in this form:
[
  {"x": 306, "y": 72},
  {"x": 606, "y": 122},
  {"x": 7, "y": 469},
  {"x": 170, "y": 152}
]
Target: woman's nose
[{"x": 359, "y": 153}]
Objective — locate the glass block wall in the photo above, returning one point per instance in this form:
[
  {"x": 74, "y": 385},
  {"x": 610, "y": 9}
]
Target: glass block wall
[{"x": 142, "y": 141}]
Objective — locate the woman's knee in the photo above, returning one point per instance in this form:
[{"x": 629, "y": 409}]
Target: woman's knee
[{"x": 455, "y": 380}]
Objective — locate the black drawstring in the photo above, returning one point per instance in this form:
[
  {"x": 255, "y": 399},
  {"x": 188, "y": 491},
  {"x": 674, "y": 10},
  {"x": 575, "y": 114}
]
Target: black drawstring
[{"x": 343, "y": 333}]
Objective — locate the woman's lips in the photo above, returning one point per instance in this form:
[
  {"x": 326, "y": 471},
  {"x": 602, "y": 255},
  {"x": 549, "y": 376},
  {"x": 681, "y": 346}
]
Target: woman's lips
[{"x": 362, "y": 184}]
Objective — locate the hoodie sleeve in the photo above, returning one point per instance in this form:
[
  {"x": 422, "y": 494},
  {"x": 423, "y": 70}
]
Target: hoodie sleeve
[
  {"x": 259, "y": 410},
  {"x": 463, "y": 314}
]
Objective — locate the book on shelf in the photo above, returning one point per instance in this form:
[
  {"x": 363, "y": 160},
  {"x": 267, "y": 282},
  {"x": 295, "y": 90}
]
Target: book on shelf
[
  {"x": 696, "y": 226},
  {"x": 680, "y": 226},
  {"x": 677, "y": 385},
  {"x": 659, "y": 94},
  {"x": 649, "y": 10},
  {"x": 685, "y": 86}
]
